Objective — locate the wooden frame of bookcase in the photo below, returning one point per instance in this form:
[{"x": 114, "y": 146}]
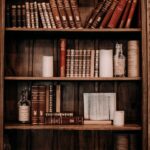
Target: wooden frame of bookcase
[{"x": 145, "y": 69}]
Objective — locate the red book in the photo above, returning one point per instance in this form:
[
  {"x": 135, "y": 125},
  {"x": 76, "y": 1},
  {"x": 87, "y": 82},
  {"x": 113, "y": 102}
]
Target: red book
[
  {"x": 109, "y": 14},
  {"x": 131, "y": 13},
  {"x": 125, "y": 14},
  {"x": 117, "y": 14},
  {"x": 62, "y": 57}
]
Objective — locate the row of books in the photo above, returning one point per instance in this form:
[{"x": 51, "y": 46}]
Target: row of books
[
  {"x": 96, "y": 63},
  {"x": 55, "y": 14},
  {"x": 112, "y": 14},
  {"x": 46, "y": 107}
]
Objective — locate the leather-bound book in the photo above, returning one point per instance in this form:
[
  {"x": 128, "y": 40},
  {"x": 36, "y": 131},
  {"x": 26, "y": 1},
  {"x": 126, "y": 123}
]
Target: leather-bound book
[
  {"x": 56, "y": 14},
  {"x": 69, "y": 13},
  {"x": 36, "y": 18},
  {"x": 125, "y": 14},
  {"x": 28, "y": 19},
  {"x": 18, "y": 15},
  {"x": 32, "y": 15},
  {"x": 109, "y": 14},
  {"x": 117, "y": 14},
  {"x": 14, "y": 15},
  {"x": 63, "y": 15},
  {"x": 76, "y": 13},
  {"x": 8, "y": 16},
  {"x": 131, "y": 13},
  {"x": 101, "y": 14},
  {"x": 93, "y": 14},
  {"x": 23, "y": 15}
]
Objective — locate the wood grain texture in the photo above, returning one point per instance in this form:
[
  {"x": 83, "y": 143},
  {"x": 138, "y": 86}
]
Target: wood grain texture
[{"x": 2, "y": 22}]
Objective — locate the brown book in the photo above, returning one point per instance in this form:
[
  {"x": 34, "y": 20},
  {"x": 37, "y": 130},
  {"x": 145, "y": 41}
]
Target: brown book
[
  {"x": 101, "y": 14},
  {"x": 34, "y": 105},
  {"x": 93, "y": 14},
  {"x": 46, "y": 16},
  {"x": 55, "y": 13},
  {"x": 69, "y": 13},
  {"x": 42, "y": 104},
  {"x": 28, "y": 19},
  {"x": 32, "y": 15},
  {"x": 131, "y": 13},
  {"x": 98, "y": 122},
  {"x": 35, "y": 11},
  {"x": 18, "y": 15},
  {"x": 76, "y": 13},
  {"x": 51, "y": 18},
  {"x": 117, "y": 14},
  {"x": 109, "y": 14},
  {"x": 63, "y": 15},
  {"x": 62, "y": 57},
  {"x": 43, "y": 21},
  {"x": 125, "y": 14},
  {"x": 68, "y": 56},
  {"x": 58, "y": 98},
  {"x": 47, "y": 97},
  {"x": 23, "y": 15},
  {"x": 8, "y": 15},
  {"x": 14, "y": 15},
  {"x": 76, "y": 63}
]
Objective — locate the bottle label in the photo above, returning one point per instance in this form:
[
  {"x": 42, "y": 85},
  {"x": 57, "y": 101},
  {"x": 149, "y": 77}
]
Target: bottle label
[{"x": 24, "y": 113}]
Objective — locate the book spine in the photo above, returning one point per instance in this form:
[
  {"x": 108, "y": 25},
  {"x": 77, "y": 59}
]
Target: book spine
[
  {"x": 76, "y": 63},
  {"x": 51, "y": 98},
  {"x": 59, "y": 114},
  {"x": 42, "y": 15},
  {"x": 76, "y": 14},
  {"x": 92, "y": 63},
  {"x": 84, "y": 63},
  {"x": 45, "y": 13},
  {"x": 69, "y": 13},
  {"x": 117, "y": 14},
  {"x": 34, "y": 105},
  {"x": 36, "y": 18},
  {"x": 42, "y": 109},
  {"x": 8, "y": 16},
  {"x": 32, "y": 15},
  {"x": 28, "y": 19},
  {"x": 109, "y": 14},
  {"x": 125, "y": 14},
  {"x": 93, "y": 14},
  {"x": 23, "y": 12},
  {"x": 51, "y": 18},
  {"x": 96, "y": 63},
  {"x": 101, "y": 14},
  {"x": 58, "y": 98},
  {"x": 18, "y": 15},
  {"x": 68, "y": 57},
  {"x": 88, "y": 63},
  {"x": 62, "y": 57},
  {"x": 80, "y": 57},
  {"x": 14, "y": 15},
  {"x": 47, "y": 98},
  {"x": 55, "y": 13},
  {"x": 131, "y": 13},
  {"x": 72, "y": 53},
  {"x": 63, "y": 15}
]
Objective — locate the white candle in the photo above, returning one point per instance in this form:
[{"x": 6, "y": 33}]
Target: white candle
[
  {"x": 106, "y": 63},
  {"x": 47, "y": 66},
  {"x": 118, "y": 118}
]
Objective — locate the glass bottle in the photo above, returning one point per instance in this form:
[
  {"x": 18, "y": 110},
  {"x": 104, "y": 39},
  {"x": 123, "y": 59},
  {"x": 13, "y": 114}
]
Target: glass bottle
[
  {"x": 119, "y": 61},
  {"x": 24, "y": 108}
]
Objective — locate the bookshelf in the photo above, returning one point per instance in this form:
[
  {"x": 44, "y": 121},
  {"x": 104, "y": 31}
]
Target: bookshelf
[{"x": 21, "y": 51}]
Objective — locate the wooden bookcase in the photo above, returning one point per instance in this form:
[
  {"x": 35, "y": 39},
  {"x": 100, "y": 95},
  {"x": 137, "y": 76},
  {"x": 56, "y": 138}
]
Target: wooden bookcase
[{"x": 20, "y": 66}]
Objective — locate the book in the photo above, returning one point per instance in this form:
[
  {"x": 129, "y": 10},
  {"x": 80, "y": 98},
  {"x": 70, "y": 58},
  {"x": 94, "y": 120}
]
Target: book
[
  {"x": 23, "y": 13},
  {"x": 109, "y": 14},
  {"x": 93, "y": 14},
  {"x": 98, "y": 122},
  {"x": 69, "y": 13},
  {"x": 19, "y": 16},
  {"x": 68, "y": 56},
  {"x": 62, "y": 57},
  {"x": 51, "y": 18},
  {"x": 76, "y": 13},
  {"x": 35, "y": 11},
  {"x": 32, "y": 15},
  {"x": 34, "y": 105},
  {"x": 41, "y": 14},
  {"x": 28, "y": 19},
  {"x": 55, "y": 13},
  {"x": 117, "y": 14},
  {"x": 14, "y": 15},
  {"x": 41, "y": 104},
  {"x": 58, "y": 98},
  {"x": 8, "y": 15},
  {"x": 125, "y": 14},
  {"x": 131, "y": 13},
  {"x": 45, "y": 13},
  {"x": 63, "y": 15},
  {"x": 101, "y": 14}
]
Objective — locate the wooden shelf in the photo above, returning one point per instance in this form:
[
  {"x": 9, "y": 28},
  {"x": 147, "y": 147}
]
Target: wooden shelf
[
  {"x": 74, "y": 78},
  {"x": 74, "y": 30},
  {"x": 127, "y": 127}
]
